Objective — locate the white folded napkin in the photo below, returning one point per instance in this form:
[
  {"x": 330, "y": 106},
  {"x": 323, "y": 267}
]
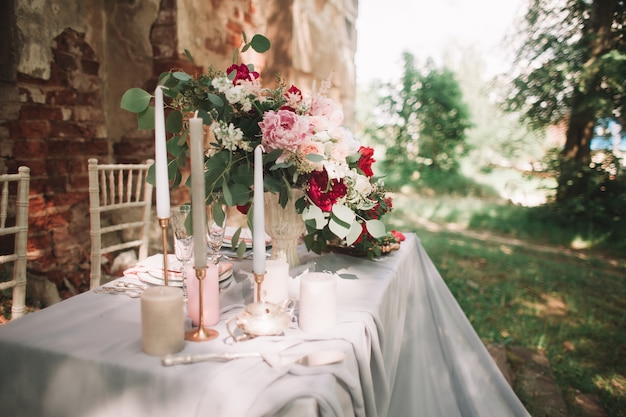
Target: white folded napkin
[{"x": 153, "y": 265}]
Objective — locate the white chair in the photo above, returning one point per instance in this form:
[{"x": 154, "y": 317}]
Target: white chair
[
  {"x": 115, "y": 189},
  {"x": 15, "y": 189}
]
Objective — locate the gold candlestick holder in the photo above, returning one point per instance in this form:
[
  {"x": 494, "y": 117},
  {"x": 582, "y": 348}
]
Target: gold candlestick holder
[
  {"x": 201, "y": 333},
  {"x": 258, "y": 278},
  {"x": 164, "y": 223}
]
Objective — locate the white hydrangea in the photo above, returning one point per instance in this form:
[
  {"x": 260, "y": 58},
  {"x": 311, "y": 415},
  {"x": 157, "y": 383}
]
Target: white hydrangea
[{"x": 230, "y": 136}]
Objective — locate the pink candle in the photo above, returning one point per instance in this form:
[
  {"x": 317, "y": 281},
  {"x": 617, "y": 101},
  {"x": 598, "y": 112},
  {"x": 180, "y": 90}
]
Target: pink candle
[
  {"x": 210, "y": 296},
  {"x": 160, "y": 158},
  {"x": 198, "y": 203}
]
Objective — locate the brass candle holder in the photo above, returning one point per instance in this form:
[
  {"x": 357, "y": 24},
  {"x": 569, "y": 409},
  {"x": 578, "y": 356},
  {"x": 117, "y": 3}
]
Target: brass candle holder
[
  {"x": 258, "y": 278},
  {"x": 164, "y": 223},
  {"x": 201, "y": 333}
]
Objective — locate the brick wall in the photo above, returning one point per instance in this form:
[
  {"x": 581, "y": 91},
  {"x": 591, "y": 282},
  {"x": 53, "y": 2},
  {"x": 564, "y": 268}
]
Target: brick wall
[
  {"x": 57, "y": 112},
  {"x": 53, "y": 127}
]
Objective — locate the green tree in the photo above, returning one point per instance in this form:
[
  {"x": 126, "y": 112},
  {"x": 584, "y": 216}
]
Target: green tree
[
  {"x": 422, "y": 122},
  {"x": 571, "y": 67}
]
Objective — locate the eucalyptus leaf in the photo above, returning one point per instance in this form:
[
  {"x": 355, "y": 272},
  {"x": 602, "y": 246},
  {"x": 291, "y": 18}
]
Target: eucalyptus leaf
[
  {"x": 343, "y": 214},
  {"x": 260, "y": 43},
  {"x": 135, "y": 100},
  {"x": 215, "y": 99},
  {"x": 228, "y": 197},
  {"x": 353, "y": 234},
  {"x": 189, "y": 57},
  {"x": 313, "y": 157},
  {"x": 240, "y": 194},
  {"x": 376, "y": 228},
  {"x": 316, "y": 214},
  {"x": 174, "y": 148},
  {"x": 219, "y": 216},
  {"x": 241, "y": 249},
  {"x": 182, "y": 76},
  {"x": 341, "y": 220},
  {"x": 339, "y": 230},
  {"x": 145, "y": 119},
  {"x": 151, "y": 177},
  {"x": 174, "y": 122},
  {"x": 204, "y": 115},
  {"x": 235, "y": 237}
]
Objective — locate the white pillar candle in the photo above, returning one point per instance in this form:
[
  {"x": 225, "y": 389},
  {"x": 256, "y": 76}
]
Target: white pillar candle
[
  {"x": 198, "y": 203},
  {"x": 275, "y": 285},
  {"x": 162, "y": 321},
  {"x": 160, "y": 158},
  {"x": 318, "y": 302},
  {"x": 258, "y": 238},
  {"x": 210, "y": 296}
]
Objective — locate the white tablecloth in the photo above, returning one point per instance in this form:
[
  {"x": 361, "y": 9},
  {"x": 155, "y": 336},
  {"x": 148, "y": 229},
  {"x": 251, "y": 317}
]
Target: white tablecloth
[{"x": 410, "y": 351}]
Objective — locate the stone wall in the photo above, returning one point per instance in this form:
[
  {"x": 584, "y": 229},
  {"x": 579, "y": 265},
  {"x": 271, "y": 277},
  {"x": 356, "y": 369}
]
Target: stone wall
[{"x": 66, "y": 63}]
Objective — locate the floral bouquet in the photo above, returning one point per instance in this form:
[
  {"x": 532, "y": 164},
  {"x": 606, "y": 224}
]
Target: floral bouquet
[{"x": 304, "y": 143}]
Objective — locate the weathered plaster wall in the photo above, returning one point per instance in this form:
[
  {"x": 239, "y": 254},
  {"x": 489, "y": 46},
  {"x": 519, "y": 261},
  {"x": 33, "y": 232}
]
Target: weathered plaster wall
[{"x": 64, "y": 65}]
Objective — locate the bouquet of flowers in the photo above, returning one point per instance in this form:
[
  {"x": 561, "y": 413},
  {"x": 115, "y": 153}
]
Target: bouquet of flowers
[{"x": 304, "y": 143}]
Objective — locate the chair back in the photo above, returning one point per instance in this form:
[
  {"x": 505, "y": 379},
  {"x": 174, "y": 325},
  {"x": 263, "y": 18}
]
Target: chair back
[
  {"x": 14, "y": 221},
  {"x": 114, "y": 189}
]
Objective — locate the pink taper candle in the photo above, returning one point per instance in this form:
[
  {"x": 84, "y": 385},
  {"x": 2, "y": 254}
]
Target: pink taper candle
[
  {"x": 210, "y": 296},
  {"x": 198, "y": 203},
  {"x": 160, "y": 158},
  {"x": 258, "y": 238}
]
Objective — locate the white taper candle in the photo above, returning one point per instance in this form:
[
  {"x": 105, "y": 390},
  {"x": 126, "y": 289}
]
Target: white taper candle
[
  {"x": 258, "y": 238},
  {"x": 160, "y": 157}
]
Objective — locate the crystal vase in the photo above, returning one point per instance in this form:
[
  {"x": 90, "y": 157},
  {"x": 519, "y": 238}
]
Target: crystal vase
[{"x": 285, "y": 226}]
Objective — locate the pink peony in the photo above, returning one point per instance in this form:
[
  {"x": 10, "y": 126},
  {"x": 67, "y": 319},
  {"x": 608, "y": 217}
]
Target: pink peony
[
  {"x": 284, "y": 130},
  {"x": 325, "y": 108}
]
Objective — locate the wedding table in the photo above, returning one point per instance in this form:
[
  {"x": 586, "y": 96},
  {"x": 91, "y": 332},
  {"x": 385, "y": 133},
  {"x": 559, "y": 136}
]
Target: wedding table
[{"x": 410, "y": 351}]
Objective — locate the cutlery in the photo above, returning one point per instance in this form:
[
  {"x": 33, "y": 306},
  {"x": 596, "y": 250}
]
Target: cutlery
[{"x": 325, "y": 357}]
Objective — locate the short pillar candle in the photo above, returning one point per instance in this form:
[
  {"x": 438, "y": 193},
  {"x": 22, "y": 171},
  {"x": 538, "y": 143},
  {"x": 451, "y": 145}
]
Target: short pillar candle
[
  {"x": 162, "y": 322},
  {"x": 318, "y": 302},
  {"x": 275, "y": 288}
]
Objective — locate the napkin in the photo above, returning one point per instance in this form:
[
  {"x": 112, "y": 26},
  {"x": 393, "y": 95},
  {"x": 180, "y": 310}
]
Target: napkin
[{"x": 153, "y": 265}]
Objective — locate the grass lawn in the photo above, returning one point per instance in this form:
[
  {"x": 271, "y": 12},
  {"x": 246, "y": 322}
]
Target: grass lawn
[{"x": 530, "y": 293}]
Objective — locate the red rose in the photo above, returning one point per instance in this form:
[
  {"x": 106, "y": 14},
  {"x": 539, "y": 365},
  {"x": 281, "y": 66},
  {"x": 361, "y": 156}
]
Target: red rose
[
  {"x": 244, "y": 209},
  {"x": 398, "y": 235},
  {"x": 323, "y": 195},
  {"x": 242, "y": 73},
  {"x": 292, "y": 95},
  {"x": 363, "y": 234},
  {"x": 366, "y": 160}
]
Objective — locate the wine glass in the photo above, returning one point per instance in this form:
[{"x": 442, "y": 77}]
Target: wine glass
[
  {"x": 216, "y": 226},
  {"x": 183, "y": 240}
]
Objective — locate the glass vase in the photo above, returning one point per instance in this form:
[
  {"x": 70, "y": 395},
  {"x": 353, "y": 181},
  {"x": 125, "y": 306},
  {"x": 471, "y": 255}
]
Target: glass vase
[{"x": 285, "y": 226}]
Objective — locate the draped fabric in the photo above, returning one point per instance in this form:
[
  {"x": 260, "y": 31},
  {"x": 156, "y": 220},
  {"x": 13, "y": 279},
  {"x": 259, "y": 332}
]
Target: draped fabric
[{"x": 410, "y": 351}]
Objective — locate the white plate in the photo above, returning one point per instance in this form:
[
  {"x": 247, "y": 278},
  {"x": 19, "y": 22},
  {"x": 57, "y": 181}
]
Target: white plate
[
  {"x": 175, "y": 282},
  {"x": 245, "y": 235}
]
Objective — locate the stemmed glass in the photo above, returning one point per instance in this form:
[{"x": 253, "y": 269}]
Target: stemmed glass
[
  {"x": 183, "y": 240},
  {"x": 216, "y": 226}
]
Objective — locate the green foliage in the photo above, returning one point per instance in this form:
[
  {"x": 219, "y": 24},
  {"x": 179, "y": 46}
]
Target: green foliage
[
  {"x": 582, "y": 56},
  {"x": 593, "y": 199},
  {"x": 422, "y": 122},
  {"x": 509, "y": 293}
]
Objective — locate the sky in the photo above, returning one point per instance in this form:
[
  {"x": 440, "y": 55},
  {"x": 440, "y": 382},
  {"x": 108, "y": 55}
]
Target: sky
[{"x": 385, "y": 28}]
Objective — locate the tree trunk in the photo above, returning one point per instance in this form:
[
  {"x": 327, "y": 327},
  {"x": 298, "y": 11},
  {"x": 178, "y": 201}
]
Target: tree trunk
[{"x": 576, "y": 153}]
